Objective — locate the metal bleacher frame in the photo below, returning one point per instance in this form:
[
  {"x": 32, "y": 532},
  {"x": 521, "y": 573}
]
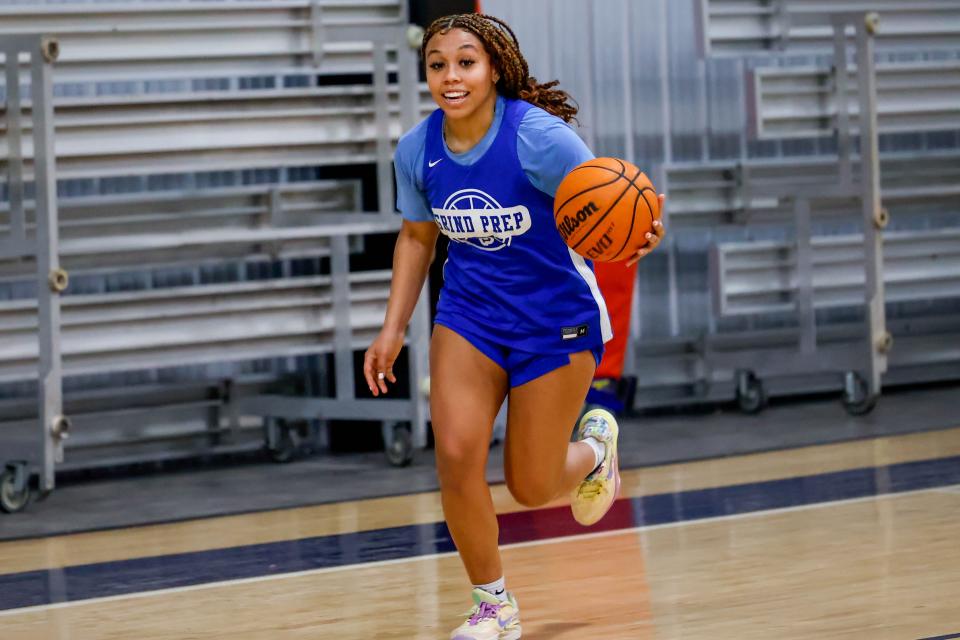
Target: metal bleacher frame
[
  {"x": 818, "y": 103},
  {"x": 49, "y": 138},
  {"x": 864, "y": 370}
]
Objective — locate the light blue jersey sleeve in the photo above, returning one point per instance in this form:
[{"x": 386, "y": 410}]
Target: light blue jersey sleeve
[
  {"x": 408, "y": 166},
  {"x": 548, "y": 149}
]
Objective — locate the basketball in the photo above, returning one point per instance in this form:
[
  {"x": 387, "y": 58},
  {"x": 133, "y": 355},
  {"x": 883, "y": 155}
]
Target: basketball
[{"x": 604, "y": 208}]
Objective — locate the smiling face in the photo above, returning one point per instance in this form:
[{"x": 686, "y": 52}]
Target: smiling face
[{"x": 460, "y": 75}]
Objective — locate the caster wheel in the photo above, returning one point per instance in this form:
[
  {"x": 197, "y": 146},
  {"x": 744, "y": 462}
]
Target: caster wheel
[
  {"x": 857, "y": 399},
  {"x": 283, "y": 441},
  {"x": 14, "y": 489},
  {"x": 751, "y": 396},
  {"x": 398, "y": 444}
]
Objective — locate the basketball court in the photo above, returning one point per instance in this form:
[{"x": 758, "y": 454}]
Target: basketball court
[
  {"x": 830, "y": 541},
  {"x": 198, "y": 208}
]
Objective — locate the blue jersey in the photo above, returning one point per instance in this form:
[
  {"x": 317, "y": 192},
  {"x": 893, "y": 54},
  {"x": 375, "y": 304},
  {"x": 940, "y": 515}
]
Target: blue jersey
[{"x": 509, "y": 277}]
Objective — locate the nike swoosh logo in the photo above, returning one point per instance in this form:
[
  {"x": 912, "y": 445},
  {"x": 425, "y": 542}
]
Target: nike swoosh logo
[{"x": 434, "y": 163}]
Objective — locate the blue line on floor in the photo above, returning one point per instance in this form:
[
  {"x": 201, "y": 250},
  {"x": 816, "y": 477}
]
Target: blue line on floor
[{"x": 82, "y": 582}]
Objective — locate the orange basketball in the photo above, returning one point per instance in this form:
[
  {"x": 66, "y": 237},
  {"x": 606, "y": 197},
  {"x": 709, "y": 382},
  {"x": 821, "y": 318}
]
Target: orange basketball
[{"x": 604, "y": 208}]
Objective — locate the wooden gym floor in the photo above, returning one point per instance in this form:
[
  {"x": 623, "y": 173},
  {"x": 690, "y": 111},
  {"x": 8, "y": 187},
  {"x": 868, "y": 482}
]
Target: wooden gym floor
[{"x": 850, "y": 540}]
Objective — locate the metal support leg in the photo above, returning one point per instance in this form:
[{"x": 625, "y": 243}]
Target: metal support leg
[
  {"x": 782, "y": 17},
  {"x": 384, "y": 147},
  {"x": 841, "y": 99},
  {"x": 419, "y": 353},
  {"x": 343, "y": 348},
  {"x": 408, "y": 78},
  {"x": 15, "y": 149},
  {"x": 51, "y": 280},
  {"x": 316, "y": 24},
  {"x": 874, "y": 217},
  {"x": 805, "y": 310}
]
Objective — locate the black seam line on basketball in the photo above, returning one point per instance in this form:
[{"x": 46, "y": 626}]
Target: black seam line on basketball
[
  {"x": 632, "y": 220},
  {"x": 593, "y": 166},
  {"x": 591, "y": 188},
  {"x": 626, "y": 238},
  {"x": 587, "y": 233},
  {"x": 623, "y": 169}
]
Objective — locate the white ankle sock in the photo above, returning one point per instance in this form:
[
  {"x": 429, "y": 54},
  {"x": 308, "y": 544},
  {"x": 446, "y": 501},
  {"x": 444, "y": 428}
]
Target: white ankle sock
[
  {"x": 497, "y": 588},
  {"x": 599, "y": 450}
]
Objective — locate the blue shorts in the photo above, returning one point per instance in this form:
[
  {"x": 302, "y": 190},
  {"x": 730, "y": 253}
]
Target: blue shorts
[{"x": 521, "y": 366}]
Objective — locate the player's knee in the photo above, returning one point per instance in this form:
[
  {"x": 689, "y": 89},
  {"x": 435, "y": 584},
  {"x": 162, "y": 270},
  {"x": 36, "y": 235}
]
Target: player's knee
[
  {"x": 532, "y": 492},
  {"x": 458, "y": 460}
]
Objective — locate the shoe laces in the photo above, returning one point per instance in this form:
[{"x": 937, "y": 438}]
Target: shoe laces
[
  {"x": 596, "y": 427},
  {"x": 483, "y": 611},
  {"x": 590, "y": 488}
]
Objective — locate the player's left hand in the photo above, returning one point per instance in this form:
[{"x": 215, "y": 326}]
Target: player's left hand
[{"x": 653, "y": 237}]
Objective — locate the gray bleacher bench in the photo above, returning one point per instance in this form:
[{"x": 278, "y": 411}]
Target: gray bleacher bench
[
  {"x": 751, "y": 278},
  {"x": 153, "y": 229},
  {"x": 244, "y": 206},
  {"x": 758, "y": 27},
  {"x": 719, "y": 192},
  {"x": 194, "y": 131},
  {"x": 140, "y": 41},
  {"x": 799, "y": 102},
  {"x": 196, "y": 324}
]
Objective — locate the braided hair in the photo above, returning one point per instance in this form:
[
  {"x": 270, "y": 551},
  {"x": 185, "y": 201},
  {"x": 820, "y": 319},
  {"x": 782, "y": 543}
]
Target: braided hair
[{"x": 504, "y": 51}]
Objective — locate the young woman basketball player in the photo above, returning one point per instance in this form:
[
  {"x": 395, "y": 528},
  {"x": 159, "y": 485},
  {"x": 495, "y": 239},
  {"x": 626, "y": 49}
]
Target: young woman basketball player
[{"x": 519, "y": 313}]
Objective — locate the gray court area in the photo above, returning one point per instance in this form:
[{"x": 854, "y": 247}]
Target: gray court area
[{"x": 196, "y": 231}]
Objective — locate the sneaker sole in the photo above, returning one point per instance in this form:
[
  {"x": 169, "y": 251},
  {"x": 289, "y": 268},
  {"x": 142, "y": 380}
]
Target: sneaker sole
[
  {"x": 507, "y": 634},
  {"x": 512, "y": 634}
]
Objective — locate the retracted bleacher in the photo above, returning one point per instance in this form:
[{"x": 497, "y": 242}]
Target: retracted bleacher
[
  {"x": 169, "y": 319},
  {"x": 812, "y": 253}
]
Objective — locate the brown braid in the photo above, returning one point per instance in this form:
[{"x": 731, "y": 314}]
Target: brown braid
[{"x": 504, "y": 51}]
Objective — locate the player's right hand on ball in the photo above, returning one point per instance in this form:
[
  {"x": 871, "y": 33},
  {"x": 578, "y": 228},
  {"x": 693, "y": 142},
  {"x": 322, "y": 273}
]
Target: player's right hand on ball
[{"x": 379, "y": 358}]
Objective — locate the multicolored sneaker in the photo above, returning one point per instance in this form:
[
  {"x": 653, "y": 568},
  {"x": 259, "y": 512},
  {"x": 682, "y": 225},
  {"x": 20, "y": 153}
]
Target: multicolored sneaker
[
  {"x": 595, "y": 495},
  {"x": 490, "y": 619}
]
